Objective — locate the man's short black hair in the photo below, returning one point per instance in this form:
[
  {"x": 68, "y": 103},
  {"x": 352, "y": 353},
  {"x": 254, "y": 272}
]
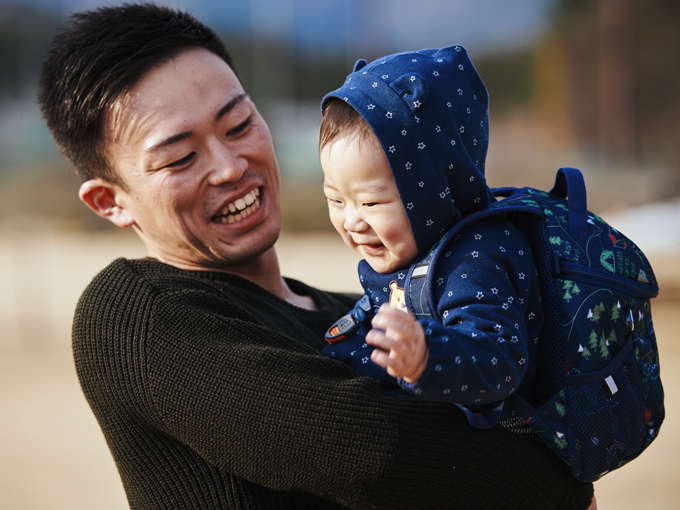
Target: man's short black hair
[{"x": 97, "y": 58}]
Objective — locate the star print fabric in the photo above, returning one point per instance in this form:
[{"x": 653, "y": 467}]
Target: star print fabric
[
  {"x": 486, "y": 291},
  {"x": 429, "y": 111}
]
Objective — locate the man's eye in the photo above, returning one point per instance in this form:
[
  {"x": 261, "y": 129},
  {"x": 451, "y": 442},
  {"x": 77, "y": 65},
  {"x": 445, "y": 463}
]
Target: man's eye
[
  {"x": 182, "y": 162},
  {"x": 241, "y": 127}
]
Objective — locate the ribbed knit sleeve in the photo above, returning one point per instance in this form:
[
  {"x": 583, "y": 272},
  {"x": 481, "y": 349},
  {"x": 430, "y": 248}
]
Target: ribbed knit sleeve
[{"x": 212, "y": 394}]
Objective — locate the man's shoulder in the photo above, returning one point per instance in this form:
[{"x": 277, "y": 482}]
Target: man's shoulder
[
  {"x": 123, "y": 267},
  {"x": 146, "y": 272},
  {"x": 121, "y": 273},
  {"x": 132, "y": 281}
]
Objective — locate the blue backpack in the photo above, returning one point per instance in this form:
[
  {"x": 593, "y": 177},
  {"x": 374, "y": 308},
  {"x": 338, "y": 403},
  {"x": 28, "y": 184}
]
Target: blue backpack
[{"x": 600, "y": 398}]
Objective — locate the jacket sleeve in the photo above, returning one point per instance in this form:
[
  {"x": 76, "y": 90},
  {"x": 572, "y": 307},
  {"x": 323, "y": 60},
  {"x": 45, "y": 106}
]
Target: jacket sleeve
[
  {"x": 480, "y": 351},
  {"x": 356, "y": 353}
]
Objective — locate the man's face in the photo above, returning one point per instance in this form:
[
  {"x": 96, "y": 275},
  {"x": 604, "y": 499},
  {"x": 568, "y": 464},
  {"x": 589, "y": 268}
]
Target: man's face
[
  {"x": 364, "y": 203},
  {"x": 198, "y": 164}
]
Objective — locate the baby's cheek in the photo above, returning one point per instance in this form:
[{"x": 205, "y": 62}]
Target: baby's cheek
[
  {"x": 337, "y": 223},
  {"x": 347, "y": 239}
]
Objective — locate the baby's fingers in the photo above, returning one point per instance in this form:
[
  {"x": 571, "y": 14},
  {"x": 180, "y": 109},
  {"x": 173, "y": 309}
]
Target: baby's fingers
[
  {"x": 380, "y": 358},
  {"x": 379, "y": 338},
  {"x": 395, "y": 341},
  {"x": 395, "y": 365},
  {"x": 388, "y": 317}
]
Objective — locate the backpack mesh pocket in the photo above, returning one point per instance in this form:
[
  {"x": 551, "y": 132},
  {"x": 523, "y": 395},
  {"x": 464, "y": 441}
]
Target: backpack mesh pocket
[{"x": 605, "y": 417}]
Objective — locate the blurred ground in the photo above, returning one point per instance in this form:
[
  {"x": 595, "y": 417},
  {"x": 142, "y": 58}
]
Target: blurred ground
[{"x": 52, "y": 454}]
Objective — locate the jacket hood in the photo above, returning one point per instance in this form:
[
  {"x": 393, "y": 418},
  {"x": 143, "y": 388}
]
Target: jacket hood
[{"x": 429, "y": 111}]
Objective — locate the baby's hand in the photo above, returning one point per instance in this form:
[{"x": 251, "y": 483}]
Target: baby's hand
[{"x": 400, "y": 341}]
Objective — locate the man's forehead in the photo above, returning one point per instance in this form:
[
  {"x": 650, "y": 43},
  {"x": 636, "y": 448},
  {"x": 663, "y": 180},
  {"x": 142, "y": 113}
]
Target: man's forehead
[{"x": 184, "y": 89}]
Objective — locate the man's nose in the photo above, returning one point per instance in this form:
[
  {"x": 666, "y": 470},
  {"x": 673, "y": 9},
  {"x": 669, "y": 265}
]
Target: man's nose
[{"x": 227, "y": 164}]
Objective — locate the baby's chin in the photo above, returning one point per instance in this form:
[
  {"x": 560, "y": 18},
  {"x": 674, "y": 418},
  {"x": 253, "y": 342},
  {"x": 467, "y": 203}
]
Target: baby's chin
[{"x": 388, "y": 266}]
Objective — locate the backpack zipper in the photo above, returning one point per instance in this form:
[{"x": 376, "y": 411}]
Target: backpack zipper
[{"x": 613, "y": 281}]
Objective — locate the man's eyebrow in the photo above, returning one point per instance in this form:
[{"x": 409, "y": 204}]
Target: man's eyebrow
[
  {"x": 169, "y": 141},
  {"x": 230, "y": 106},
  {"x": 186, "y": 134}
]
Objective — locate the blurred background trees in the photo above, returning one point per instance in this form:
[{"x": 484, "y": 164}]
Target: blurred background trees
[
  {"x": 622, "y": 69},
  {"x": 593, "y": 84}
]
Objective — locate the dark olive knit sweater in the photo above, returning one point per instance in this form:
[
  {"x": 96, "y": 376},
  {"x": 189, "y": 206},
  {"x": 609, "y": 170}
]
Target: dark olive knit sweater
[{"x": 212, "y": 394}]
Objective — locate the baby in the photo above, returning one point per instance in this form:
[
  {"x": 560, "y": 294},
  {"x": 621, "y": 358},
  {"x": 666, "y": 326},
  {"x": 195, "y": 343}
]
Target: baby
[{"x": 402, "y": 146}]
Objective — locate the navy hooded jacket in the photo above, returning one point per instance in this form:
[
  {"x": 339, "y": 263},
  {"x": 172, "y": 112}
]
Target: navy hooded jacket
[{"x": 429, "y": 111}]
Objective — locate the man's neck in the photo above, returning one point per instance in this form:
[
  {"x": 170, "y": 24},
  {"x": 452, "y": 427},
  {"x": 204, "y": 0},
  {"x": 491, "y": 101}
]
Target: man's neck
[
  {"x": 266, "y": 272},
  {"x": 263, "y": 270}
]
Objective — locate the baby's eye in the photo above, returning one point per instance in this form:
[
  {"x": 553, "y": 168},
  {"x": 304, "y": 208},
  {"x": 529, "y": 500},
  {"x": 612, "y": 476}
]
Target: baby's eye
[{"x": 370, "y": 204}]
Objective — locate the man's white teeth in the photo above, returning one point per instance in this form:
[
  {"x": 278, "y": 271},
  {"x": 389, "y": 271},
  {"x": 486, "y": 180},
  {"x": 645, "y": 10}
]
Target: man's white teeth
[{"x": 243, "y": 207}]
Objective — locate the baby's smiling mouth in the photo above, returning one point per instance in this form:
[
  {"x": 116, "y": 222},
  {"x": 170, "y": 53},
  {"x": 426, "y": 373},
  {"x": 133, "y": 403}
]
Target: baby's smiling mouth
[
  {"x": 372, "y": 249},
  {"x": 240, "y": 208}
]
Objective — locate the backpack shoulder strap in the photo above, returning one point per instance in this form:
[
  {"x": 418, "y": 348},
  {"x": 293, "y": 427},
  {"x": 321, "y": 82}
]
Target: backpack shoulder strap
[{"x": 418, "y": 286}]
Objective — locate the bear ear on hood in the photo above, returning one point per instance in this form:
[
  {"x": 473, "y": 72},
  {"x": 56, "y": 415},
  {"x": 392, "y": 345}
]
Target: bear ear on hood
[
  {"x": 412, "y": 89},
  {"x": 359, "y": 64}
]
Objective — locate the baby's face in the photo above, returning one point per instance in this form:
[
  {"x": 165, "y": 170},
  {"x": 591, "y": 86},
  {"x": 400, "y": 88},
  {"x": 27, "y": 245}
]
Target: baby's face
[{"x": 364, "y": 204}]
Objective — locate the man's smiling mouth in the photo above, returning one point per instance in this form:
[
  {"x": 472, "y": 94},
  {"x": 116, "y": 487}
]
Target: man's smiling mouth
[{"x": 240, "y": 208}]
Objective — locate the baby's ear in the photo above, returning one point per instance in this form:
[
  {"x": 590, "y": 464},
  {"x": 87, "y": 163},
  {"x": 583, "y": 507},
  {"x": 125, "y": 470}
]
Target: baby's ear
[{"x": 103, "y": 198}]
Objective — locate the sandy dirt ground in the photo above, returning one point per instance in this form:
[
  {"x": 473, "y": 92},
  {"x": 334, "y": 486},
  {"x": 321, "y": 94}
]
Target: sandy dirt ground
[{"x": 52, "y": 454}]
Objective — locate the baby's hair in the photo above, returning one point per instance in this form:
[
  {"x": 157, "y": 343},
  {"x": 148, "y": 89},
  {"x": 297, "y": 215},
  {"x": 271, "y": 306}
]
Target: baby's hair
[{"x": 340, "y": 120}]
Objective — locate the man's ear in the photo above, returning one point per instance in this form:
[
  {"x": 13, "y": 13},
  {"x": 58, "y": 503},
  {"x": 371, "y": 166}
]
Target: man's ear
[{"x": 104, "y": 199}]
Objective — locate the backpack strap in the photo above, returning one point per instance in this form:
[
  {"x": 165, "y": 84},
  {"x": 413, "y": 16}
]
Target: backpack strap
[
  {"x": 416, "y": 292},
  {"x": 418, "y": 296},
  {"x": 482, "y": 421},
  {"x": 569, "y": 183}
]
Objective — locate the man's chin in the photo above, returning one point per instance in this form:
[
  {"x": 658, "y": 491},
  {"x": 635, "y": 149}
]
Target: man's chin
[
  {"x": 219, "y": 257},
  {"x": 249, "y": 250}
]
